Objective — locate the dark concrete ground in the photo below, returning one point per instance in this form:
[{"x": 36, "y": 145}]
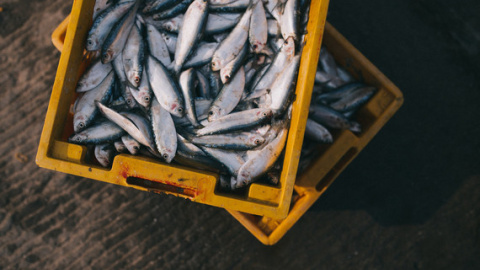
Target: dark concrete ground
[{"x": 410, "y": 200}]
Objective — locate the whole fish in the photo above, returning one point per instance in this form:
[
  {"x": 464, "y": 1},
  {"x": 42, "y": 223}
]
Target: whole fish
[
  {"x": 229, "y": 97},
  {"x": 331, "y": 118},
  {"x": 228, "y": 71},
  {"x": 233, "y": 44},
  {"x": 104, "y": 22},
  {"x": 187, "y": 79},
  {"x": 316, "y": 132},
  {"x": 102, "y": 132},
  {"x": 126, "y": 124},
  {"x": 157, "y": 46},
  {"x": 113, "y": 45},
  {"x": 133, "y": 57},
  {"x": 258, "y": 32},
  {"x": 164, "y": 131},
  {"x": 85, "y": 109},
  {"x": 282, "y": 86},
  {"x": 289, "y": 20},
  {"x": 165, "y": 87},
  {"x": 191, "y": 32},
  {"x": 236, "y": 121},
  {"x": 234, "y": 141},
  {"x": 262, "y": 161}
]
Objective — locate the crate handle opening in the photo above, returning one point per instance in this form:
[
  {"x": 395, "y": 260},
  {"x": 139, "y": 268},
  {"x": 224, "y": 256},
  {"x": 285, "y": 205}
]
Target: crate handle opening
[
  {"x": 339, "y": 166},
  {"x": 158, "y": 187}
]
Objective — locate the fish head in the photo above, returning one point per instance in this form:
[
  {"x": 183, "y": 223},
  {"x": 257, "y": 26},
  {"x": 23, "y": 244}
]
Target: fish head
[
  {"x": 92, "y": 44},
  {"x": 176, "y": 109},
  {"x": 146, "y": 98},
  {"x": 266, "y": 113},
  {"x": 243, "y": 178},
  {"x": 107, "y": 57},
  {"x": 257, "y": 46},
  {"x": 216, "y": 63},
  {"x": 289, "y": 46},
  {"x": 225, "y": 74},
  {"x": 103, "y": 158},
  {"x": 256, "y": 139},
  {"x": 119, "y": 146},
  {"x": 170, "y": 26},
  {"x": 79, "y": 123},
  {"x": 214, "y": 113},
  {"x": 132, "y": 147},
  {"x": 78, "y": 138},
  {"x": 167, "y": 154}
]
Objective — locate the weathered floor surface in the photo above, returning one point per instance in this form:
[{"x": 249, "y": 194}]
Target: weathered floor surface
[{"x": 409, "y": 201}]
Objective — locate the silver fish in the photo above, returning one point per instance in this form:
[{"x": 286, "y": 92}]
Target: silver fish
[
  {"x": 120, "y": 146},
  {"x": 233, "y": 44},
  {"x": 191, "y": 31},
  {"x": 104, "y": 154},
  {"x": 262, "y": 161},
  {"x": 229, "y": 97},
  {"x": 143, "y": 95},
  {"x": 94, "y": 75},
  {"x": 126, "y": 124},
  {"x": 133, "y": 57},
  {"x": 232, "y": 160},
  {"x": 316, "y": 132},
  {"x": 165, "y": 87},
  {"x": 331, "y": 118},
  {"x": 258, "y": 32},
  {"x": 187, "y": 85},
  {"x": 164, "y": 131},
  {"x": 202, "y": 55},
  {"x": 131, "y": 144},
  {"x": 102, "y": 132},
  {"x": 275, "y": 68},
  {"x": 236, "y": 121},
  {"x": 289, "y": 20},
  {"x": 157, "y": 45},
  {"x": 233, "y": 141},
  {"x": 228, "y": 71},
  {"x": 281, "y": 88},
  {"x": 115, "y": 41},
  {"x": 85, "y": 109},
  {"x": 104, "y": 22}
]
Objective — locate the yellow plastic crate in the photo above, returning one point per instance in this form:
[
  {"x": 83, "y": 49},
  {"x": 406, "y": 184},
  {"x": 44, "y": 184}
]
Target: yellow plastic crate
[
  {"x": 147, "y": 174},
  {"x": 334, "y": 158}
]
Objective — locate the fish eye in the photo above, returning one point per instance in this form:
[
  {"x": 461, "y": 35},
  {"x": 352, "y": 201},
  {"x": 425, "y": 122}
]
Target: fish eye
[
  {"x": 227, "y": 77},
  {"x": 146, "y": 99},
  {"x": 257, "y": 141},
  {"x": 254, "y": 46},
  {"x": 135, "y": 147},
  {"x": 165, "y": 156},
  {"x": 89, "y": 42},
  {"x": 210, "y": 113},
  {"x": 129, "y": 101},
  {"x": 264, "y": 114},
  {"x": 77, "y": 139},
  {"x": 180, "y": 109},
  {"x": 81, "y": 125},
  {"x": 137, "y": 79}
]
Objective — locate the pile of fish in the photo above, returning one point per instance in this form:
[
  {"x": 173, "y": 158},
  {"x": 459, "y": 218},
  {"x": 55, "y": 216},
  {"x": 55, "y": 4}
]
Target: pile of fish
[
  {"x": 336, "y": 97},
  {"x": 203, "y": 83}
]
